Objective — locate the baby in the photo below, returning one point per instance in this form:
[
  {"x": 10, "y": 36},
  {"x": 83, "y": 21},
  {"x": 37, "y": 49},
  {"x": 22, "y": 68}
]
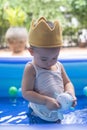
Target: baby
[{"x": 44, "y": 79}]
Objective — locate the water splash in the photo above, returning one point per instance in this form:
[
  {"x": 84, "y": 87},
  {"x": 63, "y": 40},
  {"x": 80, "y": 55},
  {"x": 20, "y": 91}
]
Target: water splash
[{"x": 76, "y": 117}]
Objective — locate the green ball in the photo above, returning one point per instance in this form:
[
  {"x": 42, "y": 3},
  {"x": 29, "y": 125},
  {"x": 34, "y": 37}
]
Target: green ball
[{"x": 13, "y": 91}]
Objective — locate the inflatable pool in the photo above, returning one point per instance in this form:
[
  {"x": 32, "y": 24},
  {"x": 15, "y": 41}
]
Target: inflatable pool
[
  {"x": 13, "y": 110},
  {"x": 11, "y": 71}
]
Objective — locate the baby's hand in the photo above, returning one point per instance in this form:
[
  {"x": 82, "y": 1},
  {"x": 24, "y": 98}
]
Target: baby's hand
[{"x": 52, "y": 104}]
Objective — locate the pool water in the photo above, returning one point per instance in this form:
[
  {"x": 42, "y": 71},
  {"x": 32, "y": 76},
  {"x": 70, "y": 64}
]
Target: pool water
[{"x": 13, "y": 111}]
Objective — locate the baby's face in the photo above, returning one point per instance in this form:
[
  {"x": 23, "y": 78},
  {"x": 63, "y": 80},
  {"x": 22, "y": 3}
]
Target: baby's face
[
  {"x": 46, "y": 57},
  {"x": 17, "y": 45}
]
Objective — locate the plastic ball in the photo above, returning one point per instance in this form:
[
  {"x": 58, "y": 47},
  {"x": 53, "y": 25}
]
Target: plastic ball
[
  {"x": 65, "y": 100},
  {"x": 13, "y": 91},
  {"x": 19, "y": 92},
  {"x": 85, "y": 90}
]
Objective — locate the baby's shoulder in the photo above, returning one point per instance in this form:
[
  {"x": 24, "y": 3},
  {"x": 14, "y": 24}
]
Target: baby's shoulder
[
  {"x": 30, "y": 68},
  {"x": 59, "y": 64}
]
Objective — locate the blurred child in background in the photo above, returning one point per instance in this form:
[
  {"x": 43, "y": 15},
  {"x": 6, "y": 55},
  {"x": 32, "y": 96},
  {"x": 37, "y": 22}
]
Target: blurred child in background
[{"x": 17, "y": 41}]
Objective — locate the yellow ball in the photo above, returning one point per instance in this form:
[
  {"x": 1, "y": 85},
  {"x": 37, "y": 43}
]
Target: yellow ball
[{"x": 13, "y": 91}]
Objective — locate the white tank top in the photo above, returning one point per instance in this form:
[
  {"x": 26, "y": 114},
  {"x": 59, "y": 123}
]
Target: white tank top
[{"x": 49, "y": 83}]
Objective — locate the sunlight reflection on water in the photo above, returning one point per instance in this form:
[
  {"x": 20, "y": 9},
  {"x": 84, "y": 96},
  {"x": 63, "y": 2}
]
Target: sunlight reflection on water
[{"x": 75, "y": 117}]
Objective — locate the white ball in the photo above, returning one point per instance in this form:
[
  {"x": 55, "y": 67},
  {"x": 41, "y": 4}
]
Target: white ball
[{"x": 65, "y": 100}]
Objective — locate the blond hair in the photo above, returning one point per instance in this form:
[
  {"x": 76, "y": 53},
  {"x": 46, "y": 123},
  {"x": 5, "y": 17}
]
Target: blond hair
[{"x": 16, "y": 33}]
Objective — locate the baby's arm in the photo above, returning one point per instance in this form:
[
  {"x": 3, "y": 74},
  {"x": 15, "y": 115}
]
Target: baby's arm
[
  {"x": 68, "y": 86},
  {"x": 30, "y": 94}
]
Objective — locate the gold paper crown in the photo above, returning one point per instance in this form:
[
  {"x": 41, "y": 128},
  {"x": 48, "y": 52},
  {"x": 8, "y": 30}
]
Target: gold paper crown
[{"x": 42, "y": 35}]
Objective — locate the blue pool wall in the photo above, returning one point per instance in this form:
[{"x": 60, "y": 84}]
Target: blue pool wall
[{"x": 11, "y": 72}]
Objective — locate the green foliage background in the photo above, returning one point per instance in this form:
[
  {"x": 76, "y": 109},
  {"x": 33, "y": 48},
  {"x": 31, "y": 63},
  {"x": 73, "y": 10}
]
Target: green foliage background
[{"x": 21, "y": 12}]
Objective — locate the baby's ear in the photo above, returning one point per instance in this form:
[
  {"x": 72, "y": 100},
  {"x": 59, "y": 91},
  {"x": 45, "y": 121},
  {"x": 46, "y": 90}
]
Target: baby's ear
[{"x": 31, "y": 51}]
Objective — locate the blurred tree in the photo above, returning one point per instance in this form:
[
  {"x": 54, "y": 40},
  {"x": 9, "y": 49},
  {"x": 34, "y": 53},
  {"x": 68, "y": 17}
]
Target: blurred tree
[
  {"x": 21, "y": 12},
  {"x": 15, "y": 16},
  {"x": 79, "y": 10}
]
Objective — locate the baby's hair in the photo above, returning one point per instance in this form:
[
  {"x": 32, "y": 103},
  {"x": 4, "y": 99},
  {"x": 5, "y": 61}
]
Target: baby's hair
[
  {"x": 16, "y": 33},
  {"x": 50, "y": 24}
]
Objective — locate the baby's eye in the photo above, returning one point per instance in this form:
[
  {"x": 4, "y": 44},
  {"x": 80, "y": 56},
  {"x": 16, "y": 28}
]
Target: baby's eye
[{"x": 54, "y": 58}]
